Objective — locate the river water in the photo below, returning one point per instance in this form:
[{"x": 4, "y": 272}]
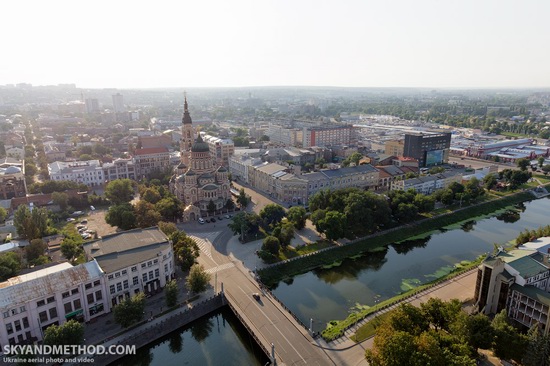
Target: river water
[
  {"x": 329, "y": 294},
  {"x": 215, "y": 339}
]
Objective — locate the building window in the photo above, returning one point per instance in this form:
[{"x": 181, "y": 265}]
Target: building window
[
  {"x": 110, "y": 277},
  {"x": 25, "y": 322},
  {"x": 96, "y": 283},
  {"x": 112, "y": 289},
  {"x": 50, "y": 299},
  {"x": 77, "y": 304},
  {"x": 155, "y": 261},
  {"x": 98, "y": 295},
  {"x": 68, "y": 307},
  {"x": 143, "y": 265},
  {"x": 90, "y": 298},
  {"x": 124, "y": 272},
  {"x": 166, "y": 268},
  {"x": 22, "y": 309},
  {"x": 125, "y": 284},
  {"x": 6, "y": 314},
  {"x": 119, "y": 287},
  {"x": 43, "y": 316},
  {"x": 134, "y": 268},
  {"x": 53, "y": 313},
  {"x": 74, "y": 291},
  {"x": 150, "y": 275},
  {"x": 14, "y": 311},
  {"x": 117, "y": 274},
  {"x": 40, "y": 303},
  {"x": 9, "y": 328},
  {"x": 88, "y": 286},
  {"x": 149, "y": 264},
  {"x": 17, "y": 324},
  {"x": 157, "y": 272},
  {"x": 135, "y": 281},
  {"x": 65, "y": 294},
  {"x": 145, "y": 277}
]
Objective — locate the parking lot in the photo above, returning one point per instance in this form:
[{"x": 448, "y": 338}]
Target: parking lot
[{"x": 96, "y": 222}]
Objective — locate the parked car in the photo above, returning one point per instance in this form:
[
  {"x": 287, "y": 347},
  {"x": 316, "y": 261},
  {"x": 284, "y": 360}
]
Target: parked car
[
  {"x": 70, "y": 219},
  {"x": 85, "y": 221},
  {"x": 207, "y": 220},
  {"x": 256, "y": 296},
  {"x": 212, "y": 220},
  {"x": 227, "y": 216},
  {"x": 220, "y": 218},
  {"x": 201, "y": 220}
]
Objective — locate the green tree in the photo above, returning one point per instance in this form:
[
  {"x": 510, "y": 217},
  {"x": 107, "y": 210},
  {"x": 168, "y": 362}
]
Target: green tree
[
  {"x": 119, "y": 191},
  {"x": 538, "y": 345},
  {"x": 198, "y": 279},
  {"x": 61, "y": 199},
  {"x": 297, "y": 215},
  {"x": 71, "y": 332},
  {"x": 71, "y": 248},
  {"x": 10, "y": 265},
  {"x": 406, "y": 212},
  {"x": 447, "y": 197},
  {"x": 31, "y": 225},
  {"x": 151, "y": 195},
  {"x": 3, "y": 214},
  {"x": 229, "y": 204},
  {"x": 540, "y": 160},
  {"x": 170, "y": 208},
  {"x": 333, "y": 225},
  {"x": 507, "y": 343},
  {"x": 424, "y": 203},
  {"x": 34, "y": 250},
  {"x": 489, "y": 181},
  {"x": 523, "y": 163},
  {"x": 171, "y": 293},
  {"x": 146, "y": 214},
  {"x": 286, "y": 233},
  {"x": 130, "y": 311},
  {"x": 271, "y": 244},
  {"x": 122, "y": 215},
  {"x": 211, "y": 207},
  {"x": 243, "y": 199},
  {"x": 546, "y": 169},
  {"x": 168, "y": 228},
  {"x": 186, "y": 249},
  {"x": 272, "y": 214},
  {"x": 473, "y": 188}
]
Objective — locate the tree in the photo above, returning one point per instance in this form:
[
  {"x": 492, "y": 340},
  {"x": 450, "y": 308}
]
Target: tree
[
  {"x": 537, "y": 351},
  {"x": 198, "y": 279},
  {"x": 271, "y": 244},
  {"x": 122, "y": 215},
  {"x": 211, "y": 207},
  {"x": 406, "y": 212},
  {"x": 229, "y": 204},
  {"x": 546, "y": 169},
  {"x": 71, "y": 332},
  {"x": 333, "y": 225},
  {"x": 71, "y": 248},
  {"x": 272, "y": 214},
  {"x": 10, "y": 265},
  {"x": 130, "y": 311},
  {"x": 119, "y": 191},
  {"x": 146, "y": 214},
  {"x": 169, "y": 208},
  {"x": 540, "y": 160},
  {"x": 523, "y": 163},
  {"x": 168, "y": 228},
  {"x": 243, "y": 198},
  {"x": 507, "y": 343},
  {"x": 297, "y": 215},
  {"x": 489, "y": 181},
  {"x": 186, "y": 249},
  {"x": 151, "y": 195},
  {"x": 60, "y": 199},
  {"x": 171, "y": 293},
  {"x": 3, "y": 214},
  {"x": 473, "y": 189},
  {"x": 447, "y": 197},
  {"x": 424, "y": 203},
  {"x": 286, "y": 234},
  {"x": 31, "y": 225},
  {"x": 34, "y": 250}
]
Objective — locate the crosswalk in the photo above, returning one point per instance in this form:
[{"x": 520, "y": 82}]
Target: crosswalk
[
  {"x": 204, "y": 242},
  {"x": 220, "y": 268}
]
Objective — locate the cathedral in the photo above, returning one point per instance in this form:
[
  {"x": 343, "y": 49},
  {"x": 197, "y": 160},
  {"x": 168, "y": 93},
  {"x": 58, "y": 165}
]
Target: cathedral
[{"x": 197, "y": 181}]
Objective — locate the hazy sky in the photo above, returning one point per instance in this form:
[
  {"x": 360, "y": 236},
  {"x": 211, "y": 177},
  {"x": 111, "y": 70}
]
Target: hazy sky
[{"x": 431, "y": 43}]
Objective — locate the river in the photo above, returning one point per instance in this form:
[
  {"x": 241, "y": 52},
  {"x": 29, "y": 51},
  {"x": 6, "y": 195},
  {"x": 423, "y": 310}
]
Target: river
[
  {"x": 215, "y": 339},
  {"x": 329, "y": 294}
]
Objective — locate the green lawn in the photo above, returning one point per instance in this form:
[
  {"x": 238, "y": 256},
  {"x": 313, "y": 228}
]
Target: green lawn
[{"x": 369, "y": 330}]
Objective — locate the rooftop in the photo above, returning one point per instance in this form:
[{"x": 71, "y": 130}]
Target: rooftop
[
  {"x": 532, "y": 292},
  {"x": 151, "y": 150}
]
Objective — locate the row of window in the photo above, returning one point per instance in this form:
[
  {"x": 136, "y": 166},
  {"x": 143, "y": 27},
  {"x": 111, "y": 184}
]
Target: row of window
[
  {"x": 66, "y": 294},
  {"x": 95, "y": 284},
  {"x": 17, "y": 325},
  {"x": 14, "y": 311},
  {"x": 98, "y": 297},
  {"x": 43, "y": 315}
]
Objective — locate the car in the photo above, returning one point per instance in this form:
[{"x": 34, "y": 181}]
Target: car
[
  {"x": 92, "y": 208},
  {"x": 256, "y": 296},
  {"x": 85, "y": 221},
  {"x": 207, "y": 220},
  {"x": 212, "y": 220},
  {"x": 70, "y": 219},
  {"x": 220, "y": 218},
  {"x": 201, "y": 220},
  {"x": 227, "y": 216}
]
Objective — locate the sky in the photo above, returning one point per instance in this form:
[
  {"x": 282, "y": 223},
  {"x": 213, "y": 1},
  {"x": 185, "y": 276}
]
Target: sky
[{"x": 211, "y": 43}]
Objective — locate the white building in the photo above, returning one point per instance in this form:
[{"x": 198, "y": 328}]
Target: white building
[
  {"x": 220, "y": 149},
  {"x": 134, "y": 261},
  {"x": 120, "y": 169},
  {"x": 427, "y": 184},
  {"x": 32, "y": 302},
  {"x": 88, "y": 172},
  {"x": 239, "y": 164}
]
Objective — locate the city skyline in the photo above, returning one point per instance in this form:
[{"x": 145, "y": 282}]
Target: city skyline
[{"x": 470, "y": 44}]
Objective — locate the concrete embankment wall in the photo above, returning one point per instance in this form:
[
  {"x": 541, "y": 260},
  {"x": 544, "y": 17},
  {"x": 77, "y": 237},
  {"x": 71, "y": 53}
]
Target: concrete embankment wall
[{"x": 149, "y": 334}]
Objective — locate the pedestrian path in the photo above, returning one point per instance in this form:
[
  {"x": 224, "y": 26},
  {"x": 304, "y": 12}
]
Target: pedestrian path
[{"x": 204, "y": 241}]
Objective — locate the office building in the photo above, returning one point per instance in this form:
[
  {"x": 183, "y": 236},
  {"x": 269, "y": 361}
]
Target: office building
[{"x": 428, "y": 148}]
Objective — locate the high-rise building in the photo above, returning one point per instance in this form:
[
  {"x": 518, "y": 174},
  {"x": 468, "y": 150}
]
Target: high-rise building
[
  {"x": 92, "y": 105},
  {"x": 428, "y": 148},
  {"x": 118, "y": 103}
]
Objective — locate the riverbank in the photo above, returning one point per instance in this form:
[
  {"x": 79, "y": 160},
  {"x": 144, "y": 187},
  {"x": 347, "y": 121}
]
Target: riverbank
[{"x": 332, "y": 256}]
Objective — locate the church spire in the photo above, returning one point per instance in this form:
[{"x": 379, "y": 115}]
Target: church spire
[{"x": 186, "y": 116}]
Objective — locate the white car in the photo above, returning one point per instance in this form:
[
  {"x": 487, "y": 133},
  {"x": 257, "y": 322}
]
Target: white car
[{"x": 201, "y": 220}]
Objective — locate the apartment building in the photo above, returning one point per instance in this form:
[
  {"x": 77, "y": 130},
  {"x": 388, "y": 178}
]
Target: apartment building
[
  {"x": 87, "y": 172},
  {"x": 150, "y": 160},
  {"x": 241, "y": 162},
  {"x": 427, "y": 184},
  {"x": 32, "y": 302},
  {"x": 394, "y": 147},
  {"x": 119, "y": 169},
  {"x": 220, "y": 149},
  {"x": 283, "y": 135},
  {"x": 327, "y": 136}
]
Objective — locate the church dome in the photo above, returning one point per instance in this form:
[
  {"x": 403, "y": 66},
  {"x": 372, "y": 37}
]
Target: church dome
[
  {"x": 190, "y": 172},
  {"x": 200, "y": 145},
  {"x": 221, "y": 169}
]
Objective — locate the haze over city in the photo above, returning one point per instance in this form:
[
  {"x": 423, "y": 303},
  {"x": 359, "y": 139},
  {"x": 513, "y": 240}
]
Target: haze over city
[{"x": 137, "y": 44}]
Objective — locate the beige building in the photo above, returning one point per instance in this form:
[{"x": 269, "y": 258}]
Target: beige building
[
  {"x": 150, "y": 160},
  {"x": 394, "y": 147},
  {"x": 220, "y": 149}
]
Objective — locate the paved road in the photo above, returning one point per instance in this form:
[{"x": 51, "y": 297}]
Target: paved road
[{"x": 268, "y": 320}]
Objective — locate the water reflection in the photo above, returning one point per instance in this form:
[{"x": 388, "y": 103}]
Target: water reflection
[
  {"x": 201, "y": 329},
  {"x": 408, "y": 245},
  {"x": 175, "y": 344},
  {"x": 468, "y": 226},
  {"x": 509, "y": 216},
  {"x": 351, "y": 267}
]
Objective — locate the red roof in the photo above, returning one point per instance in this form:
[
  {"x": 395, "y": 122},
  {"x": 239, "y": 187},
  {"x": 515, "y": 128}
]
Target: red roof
[{"x": 151, "y": 150}]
